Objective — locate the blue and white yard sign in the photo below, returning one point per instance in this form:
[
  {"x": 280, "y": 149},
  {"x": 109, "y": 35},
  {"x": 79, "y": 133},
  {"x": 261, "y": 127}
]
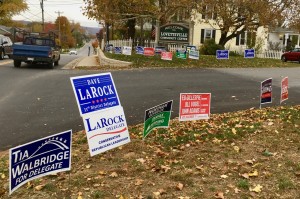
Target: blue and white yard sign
[
  {"x": 139, "y": 50},
  {"x": 222, "y": 54},
  {"x": 39, "y": 158},
  {"x": 126, "y": 50},
  {"x": 249, "y": 53},
  {"x": 118, "y": 50},
  {"x": 106, "y": 131},
  {"x": 95, "y": 92}
]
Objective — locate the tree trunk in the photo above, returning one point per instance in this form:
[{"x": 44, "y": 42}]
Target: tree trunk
[{"x": 131, "y": 28}]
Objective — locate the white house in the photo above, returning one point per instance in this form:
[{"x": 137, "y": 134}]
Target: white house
[{"x": 205, "y": 27}]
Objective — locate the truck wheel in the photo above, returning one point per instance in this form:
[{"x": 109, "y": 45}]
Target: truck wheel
[
  {"x": 51, "y": 64},
  {"x": 17, "y": 63},
  {"x": 1, "y": 55}
]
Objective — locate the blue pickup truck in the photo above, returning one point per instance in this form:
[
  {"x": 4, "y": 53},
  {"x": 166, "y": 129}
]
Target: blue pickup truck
[{"x": 35, "y": 50}]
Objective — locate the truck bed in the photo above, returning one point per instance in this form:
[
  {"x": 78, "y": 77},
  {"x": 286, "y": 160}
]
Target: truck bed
[{"x": 23, "y": 50}]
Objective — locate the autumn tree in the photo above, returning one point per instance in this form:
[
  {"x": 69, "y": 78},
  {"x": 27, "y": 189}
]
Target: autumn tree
[
  {"x": 62, "y": 23},
  {"x": 233, "y": 17},
  {"x": 10, "y": 8}
]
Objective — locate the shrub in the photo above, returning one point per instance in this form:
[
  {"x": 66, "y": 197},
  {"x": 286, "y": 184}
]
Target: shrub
[{"x": 209, "y": 47}]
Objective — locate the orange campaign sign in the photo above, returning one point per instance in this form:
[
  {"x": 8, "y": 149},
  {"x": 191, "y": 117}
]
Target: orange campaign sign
[
  {"x": 284, "y": 89},
  {"x": 194, "y": 106}
]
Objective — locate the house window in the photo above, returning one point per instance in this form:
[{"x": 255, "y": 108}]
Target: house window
[
  {"x": 207, "y": 34},
  {"x": 208, "y": 13},
  {"x": 241, "y": 39}
]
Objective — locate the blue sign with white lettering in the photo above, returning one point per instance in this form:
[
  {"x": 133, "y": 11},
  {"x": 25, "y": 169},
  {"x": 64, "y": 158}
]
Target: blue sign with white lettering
[
  {"x": 222, "y": 54},
  {"x": 39, "y": 158},
  {"x": 249, "y": 53},
  {"x": 139, "y": 50},
  {"x": 95, "y": 92},
  {"x": 118, "y": 50}
]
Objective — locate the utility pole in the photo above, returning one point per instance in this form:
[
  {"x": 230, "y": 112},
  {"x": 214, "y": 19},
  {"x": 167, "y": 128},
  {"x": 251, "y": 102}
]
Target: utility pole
[
  {"x": 43, "y": 20},
  {"x": 59, "y": 35}
]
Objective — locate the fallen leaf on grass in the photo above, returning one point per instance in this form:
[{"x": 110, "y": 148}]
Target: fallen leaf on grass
[
  {"x": 102, "y": 173},
  {"x": 224, "y": 176},
  {"x": 236, "y": 190},
  {"x": 141, "y": 160},
  {"x": 138, "y": 182},
  {"x": 179, "y": 186},
  {"x": 256, "y": 189},
  {"x": 245, "y": 175},
  {"x": 219, "y": 195},
  {"x": 2, "y": 175},
  {"x": 165, "y": 168},
  {"x": 233, "y": 131},
  {"x": 236, "y": 148},
  {"x": 253, "y": 174},
  {"x": 113, "y": 175},
  {"x": 39, "y": 187},
  {"x": 88, "y": 166}
]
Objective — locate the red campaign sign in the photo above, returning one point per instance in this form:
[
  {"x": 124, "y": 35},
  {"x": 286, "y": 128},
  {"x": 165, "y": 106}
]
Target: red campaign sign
[
  {"x": 149, "y": 51},
  {"x": 194, "y": 106},
  {"x": 166, "y": 56},
  {"x": 284, "y": 89}
]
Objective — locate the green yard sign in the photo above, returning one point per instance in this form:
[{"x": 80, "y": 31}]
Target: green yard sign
[{"x": 157, "y": 117}]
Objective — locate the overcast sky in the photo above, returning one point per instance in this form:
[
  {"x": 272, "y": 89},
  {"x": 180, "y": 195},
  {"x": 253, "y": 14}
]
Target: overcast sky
[{"x": 68, "y": 8}]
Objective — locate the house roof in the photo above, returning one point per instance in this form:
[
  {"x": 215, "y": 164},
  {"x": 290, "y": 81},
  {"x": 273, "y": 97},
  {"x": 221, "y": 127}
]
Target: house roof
[{"x": 283, "y": 30}]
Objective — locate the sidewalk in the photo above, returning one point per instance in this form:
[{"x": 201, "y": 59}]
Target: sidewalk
[{"x": 88, "y": 61}]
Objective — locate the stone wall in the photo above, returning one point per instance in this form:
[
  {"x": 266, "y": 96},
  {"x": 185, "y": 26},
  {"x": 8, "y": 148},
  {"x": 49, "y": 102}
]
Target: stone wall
[{"x": 104, "y": 61}]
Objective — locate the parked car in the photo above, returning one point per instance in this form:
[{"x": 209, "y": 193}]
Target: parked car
[
  {"x": 5, "y": 47},
  {"x": 73, "y": 52},
  {"x": 293, "y": 55}
]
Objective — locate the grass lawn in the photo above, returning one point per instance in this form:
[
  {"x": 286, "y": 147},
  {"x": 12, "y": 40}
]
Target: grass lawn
[
  {"x": 205, "y": 61},
  {"x": 241, "y": 155}
]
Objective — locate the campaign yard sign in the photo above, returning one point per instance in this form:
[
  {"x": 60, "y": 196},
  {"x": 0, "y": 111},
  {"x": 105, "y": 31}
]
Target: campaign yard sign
[
  {"x": 249, "y": 53},
  {"x": 126, "y": 50},
  {"x": 181, "y": 53},
  {"x": 157, "y": 117},
  {"x": 118, "y": 50},
  {"x": 266, "y": 91},
  {"x": 106, "y": 131},
  {"x": 39, "y": 158},
  {"x": 95, "y": 92},
  {"x": 222, "y": 54},
  {"x": 284, "y": 89},
  {"x": 194, "y": 54},
  {"x": 159, "y": 49},
  {"x": 194, "y": 106},
  {"x": 139, "y": 50},
  {"x": 190, "y": 48},
  {"x": 167, "y": 56},
  {"x": 149, "y": 51}
]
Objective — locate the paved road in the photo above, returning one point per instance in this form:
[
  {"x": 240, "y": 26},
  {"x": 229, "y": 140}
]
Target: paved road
[{"x": 36, "y": 102}]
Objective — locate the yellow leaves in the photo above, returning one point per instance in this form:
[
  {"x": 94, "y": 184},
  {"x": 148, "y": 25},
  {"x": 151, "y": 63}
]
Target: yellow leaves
[
  {"x": 256, "y": 189},
  {"x": 141, "y": 160},
  {"x": 233, "y": 131},
  {"x": 236, "y": 148},
  {"x": 102, "y": 173},
  {"x": 2, "y": 175},
  {"x": 253, "y": 174},
  {"x": 88, "y": 166}
]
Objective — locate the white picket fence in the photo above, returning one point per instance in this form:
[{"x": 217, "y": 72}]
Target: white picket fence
[
  {"x": 128, "y": 42},
  {"x": 270, "y": 54}
]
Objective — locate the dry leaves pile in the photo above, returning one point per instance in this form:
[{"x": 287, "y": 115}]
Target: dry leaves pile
[{"x": 247, "y": 154}]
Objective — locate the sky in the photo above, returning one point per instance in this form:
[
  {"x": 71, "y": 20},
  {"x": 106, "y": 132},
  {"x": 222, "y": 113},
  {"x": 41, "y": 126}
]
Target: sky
[{"x": 68, "y": 8}]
